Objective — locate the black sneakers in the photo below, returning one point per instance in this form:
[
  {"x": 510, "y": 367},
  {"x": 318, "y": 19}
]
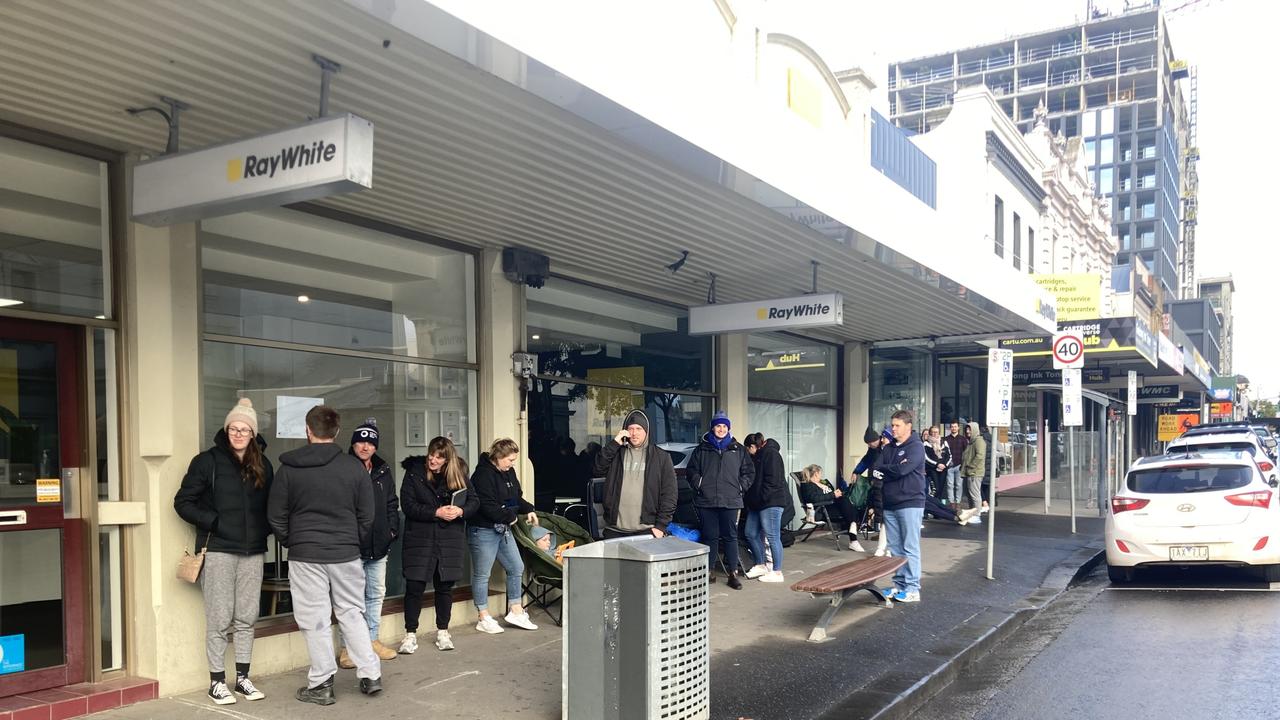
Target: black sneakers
[
  {"x": 321, "y": 694},
  {"x": 371, "y": 686},
  {"x": 734, "y": 582}
]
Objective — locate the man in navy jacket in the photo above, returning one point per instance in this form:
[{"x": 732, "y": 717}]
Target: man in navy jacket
[{"x": 901, "y": 468}]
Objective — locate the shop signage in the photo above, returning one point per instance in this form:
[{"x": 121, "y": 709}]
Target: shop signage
[
  {"x": 329, "y": 156},
  {"x": 1144, "y": 341},
  {"x": 48, "y": 490},
  {"x": 804, "y": 311},
  {"x": 1168, "y": 393},
  {"x": 1171, "y": 425},
  {"x": 1169, "y": 353},
  {"x": 1199, "y": 368},
  {"x": 1078, "y": 296},
  {"x": 1098, "y": 335},
  {"x": 1132, "y": 404},
  {"x": 999, "y": 387},
  {"x": 1068, "y": 351},
  {"x": 1221, "y": 409},
  {"x": 1072, "y": 398},
  {"x": 1222, "y": 394},
  {"x": 1091, "y": 376}
]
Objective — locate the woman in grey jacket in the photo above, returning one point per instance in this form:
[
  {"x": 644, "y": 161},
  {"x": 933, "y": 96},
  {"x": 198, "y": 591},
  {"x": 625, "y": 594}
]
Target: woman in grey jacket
[{"x": 720, "y": 471}]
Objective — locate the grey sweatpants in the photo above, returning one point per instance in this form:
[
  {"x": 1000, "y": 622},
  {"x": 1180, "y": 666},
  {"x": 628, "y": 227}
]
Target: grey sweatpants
[
  {"x": 319, "y": 589},
  {"x": 975, "y": 491},
  {"x": 232, "y": 586}
]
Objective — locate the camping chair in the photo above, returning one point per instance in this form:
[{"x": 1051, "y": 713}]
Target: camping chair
[
  {"x": 811, "y": 496},
  {"x": 544, "y": 577},
  {"x": 595, "y": 508}
]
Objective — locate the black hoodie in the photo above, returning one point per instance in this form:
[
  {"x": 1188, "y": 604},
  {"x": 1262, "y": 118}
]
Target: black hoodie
[
  {"x": 228, "y": 512},
  {"x": 321, "y": 505},
  {"x": 770, "y": 487},
  {"x": 499, "y": 493},
  {"x": 386, "y": 510}
]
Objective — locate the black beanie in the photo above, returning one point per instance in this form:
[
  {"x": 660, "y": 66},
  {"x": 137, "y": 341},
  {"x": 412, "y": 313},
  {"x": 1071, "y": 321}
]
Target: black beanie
[
  {"x": 870, "y": 436},
  {"x": 366, "y": 431},
  {"x": 635, "y": 417}
]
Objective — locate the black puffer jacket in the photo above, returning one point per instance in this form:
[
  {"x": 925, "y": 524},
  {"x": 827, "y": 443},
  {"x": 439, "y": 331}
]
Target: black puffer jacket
[
  {"x": 386, "y": 510},
  {"x": 321, "y": 504},
  {"x": 214, "y": 498},
  {"x": 430, "y": 542},
  {"x": 720, "y": 477},
  {"x": 499, "y": 493},
  {"x": 770, "y": 486}
]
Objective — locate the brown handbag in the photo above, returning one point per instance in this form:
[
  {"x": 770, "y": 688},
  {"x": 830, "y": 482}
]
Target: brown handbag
[{"x": 189, "y": 566}]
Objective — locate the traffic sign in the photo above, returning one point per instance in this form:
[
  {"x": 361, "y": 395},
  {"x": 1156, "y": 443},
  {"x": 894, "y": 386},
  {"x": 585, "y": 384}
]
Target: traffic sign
[
  {"x": 1072, "y": 399},
  {"x": 999, "y": 387},
  {"x": 1068, "y": 351},
  {"x": 1133, "y": 393}
]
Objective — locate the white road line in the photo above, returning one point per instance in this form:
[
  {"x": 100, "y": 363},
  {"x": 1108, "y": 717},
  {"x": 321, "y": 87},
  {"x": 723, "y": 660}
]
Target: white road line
[
  {"x": 455, "y": 677},
  {"x": 218, "y": 709},
  {"x": 540, "y": 646}
]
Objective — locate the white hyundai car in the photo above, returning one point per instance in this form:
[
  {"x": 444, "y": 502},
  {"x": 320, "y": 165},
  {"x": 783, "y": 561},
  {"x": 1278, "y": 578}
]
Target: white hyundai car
[{"x": 1214, "y": 507}]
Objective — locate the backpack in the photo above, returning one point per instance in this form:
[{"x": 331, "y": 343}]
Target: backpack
[{"x": 858, "y": 491}]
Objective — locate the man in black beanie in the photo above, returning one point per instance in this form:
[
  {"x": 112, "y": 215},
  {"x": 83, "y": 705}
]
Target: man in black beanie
[{"x": 639, "y": 481}]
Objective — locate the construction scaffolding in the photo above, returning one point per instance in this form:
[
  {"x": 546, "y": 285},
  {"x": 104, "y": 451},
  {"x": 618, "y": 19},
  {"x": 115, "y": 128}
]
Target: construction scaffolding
[{"x": 1190, "y": 188}]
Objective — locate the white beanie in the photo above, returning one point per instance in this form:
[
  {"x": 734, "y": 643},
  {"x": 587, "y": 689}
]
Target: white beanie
[{"x": 244, "y": 412}]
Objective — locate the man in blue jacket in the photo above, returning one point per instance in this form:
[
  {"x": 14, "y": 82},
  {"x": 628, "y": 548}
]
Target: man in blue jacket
[{"x": 901, "y": 468}]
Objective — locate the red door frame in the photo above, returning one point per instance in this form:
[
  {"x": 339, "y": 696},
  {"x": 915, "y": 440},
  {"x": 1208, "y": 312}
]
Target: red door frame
[{"x": 69, "y": 343}]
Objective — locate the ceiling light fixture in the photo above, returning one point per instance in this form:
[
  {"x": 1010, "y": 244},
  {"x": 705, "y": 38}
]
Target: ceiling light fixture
[
  {"x": 304, "y": 299},
  {"x": 8, "y": 302},
  {"x": 535, "y": 337}
]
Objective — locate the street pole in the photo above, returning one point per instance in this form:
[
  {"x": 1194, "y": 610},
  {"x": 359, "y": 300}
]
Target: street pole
[
  {"x": 1129, "y": 456},
  {"x": 1071, "y": 451},
  {"x": 991, "y": 503},
  {"x": 1046, "y": 457}
]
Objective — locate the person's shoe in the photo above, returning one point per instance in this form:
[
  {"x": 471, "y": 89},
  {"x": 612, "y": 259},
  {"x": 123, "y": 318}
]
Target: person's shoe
[
  {"x": 409, "y": 645},
  {"x": 773, "y": 576},
  {"x": 488, "y": 625},
  {"x": 965, "y": 516},
  {"x": 220, "y": 695},
  {"x": 734, "y": 583},
  {"x": 382, "y": 651},
  {"x": 321, "y": 694},
  {"x": 985, "y": 508},
  {"x": 521, "y": 621},
  {"x": 903, "y": 596},
  {"x": 344, "y": 660},
  {"x": 443, "y": 640},
  {"x": 889, "y": 592},
  {"x": 245, "y": 687},
  {"x": 757, "y": 571},
  {"x": 371, "y": 686},
  {"x": 975, "y": 519},
  {"x": 856, "y": 546}
]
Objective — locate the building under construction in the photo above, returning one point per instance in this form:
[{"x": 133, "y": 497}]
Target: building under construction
[{"x": 1113, "y": 81}]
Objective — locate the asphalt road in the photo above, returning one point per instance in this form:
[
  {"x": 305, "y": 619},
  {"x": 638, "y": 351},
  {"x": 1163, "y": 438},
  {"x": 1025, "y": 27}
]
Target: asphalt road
[{"x": 1198, "y": 644}]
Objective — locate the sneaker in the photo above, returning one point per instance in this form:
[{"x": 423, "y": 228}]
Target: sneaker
[
  {"x": 344, "y": 660},
  {"x": 985, "y": 508},
  {"x": 382, "y": 651},
  {"x": 889, "y": 592},
  {"x": 409, "y": 645},
  {"x": 903, "y": 596},
  {"x": 321, "y": 694},
  {"x": 965, "y": 516},
  {"x": 773, "y": 576},
  {"x": 443, "y": 640},
  {"x": 521, "y": 621},
  {"x": 757, "y": 571},
  {"x": 734, "y": 583},
  {"x": 488, "y": 625},
  {"x": 856, "y": 546},
  {"x": 219, "y": 694},
  {"x": 975, "y": 520},
  {"x": 245, "y": 687}
]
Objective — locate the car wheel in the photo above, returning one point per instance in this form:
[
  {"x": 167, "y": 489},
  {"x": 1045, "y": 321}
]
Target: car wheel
[{"x": 1120, "y": 574}]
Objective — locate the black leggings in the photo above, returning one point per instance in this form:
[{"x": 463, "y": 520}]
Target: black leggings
[{"x": 413, "y": 590}]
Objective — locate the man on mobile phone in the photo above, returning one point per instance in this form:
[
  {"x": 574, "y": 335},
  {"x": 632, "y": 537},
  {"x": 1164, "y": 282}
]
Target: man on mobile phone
[{"x": 639, "y": 481}]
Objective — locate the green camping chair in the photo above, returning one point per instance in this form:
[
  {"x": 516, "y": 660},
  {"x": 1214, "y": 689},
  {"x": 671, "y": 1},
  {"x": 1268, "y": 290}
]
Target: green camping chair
[{"x": 543, "y": 580}]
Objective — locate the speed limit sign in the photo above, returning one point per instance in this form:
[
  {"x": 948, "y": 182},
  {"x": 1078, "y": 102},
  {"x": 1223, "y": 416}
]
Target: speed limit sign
[{"x": 1068, "y": 351}]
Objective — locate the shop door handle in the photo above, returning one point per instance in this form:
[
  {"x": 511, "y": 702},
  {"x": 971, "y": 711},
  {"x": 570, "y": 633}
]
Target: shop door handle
[{"x": 13, "y": 517}]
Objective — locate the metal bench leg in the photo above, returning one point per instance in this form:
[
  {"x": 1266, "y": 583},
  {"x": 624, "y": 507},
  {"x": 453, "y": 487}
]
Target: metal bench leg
[
  {"x": 819, "y": 632},
  {"x": 871, "y": 588}
]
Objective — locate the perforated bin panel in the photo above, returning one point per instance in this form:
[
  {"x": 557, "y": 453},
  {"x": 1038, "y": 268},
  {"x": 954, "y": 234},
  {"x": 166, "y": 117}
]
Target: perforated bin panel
[{"x": 680, "y": 690}]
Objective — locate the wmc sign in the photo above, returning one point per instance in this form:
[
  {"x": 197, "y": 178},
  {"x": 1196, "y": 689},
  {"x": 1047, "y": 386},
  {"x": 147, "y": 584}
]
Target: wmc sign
[
  {"x": 803, "y": 311},
  {"x": 330, "y": 156}
]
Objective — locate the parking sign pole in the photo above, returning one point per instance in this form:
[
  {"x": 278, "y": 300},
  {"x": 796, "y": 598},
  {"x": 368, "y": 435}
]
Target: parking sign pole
[
  {"x": 1071, "y": 453},
  {"x": 991, "y": 505},
  {"x": 1046, "y": 458}
]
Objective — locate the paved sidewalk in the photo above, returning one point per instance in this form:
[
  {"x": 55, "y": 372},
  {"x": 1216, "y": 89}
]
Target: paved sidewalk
[{"x": 761, "y": 666}]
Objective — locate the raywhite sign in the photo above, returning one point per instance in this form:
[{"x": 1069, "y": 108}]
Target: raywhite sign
[
  {"x": 1133, "y": 393},
  {"x": 999, "y": 387},
  {"x": 803, "y": 311},
  {"x": 1072, "y": 398},
  {"x": 329, "y": 156}
]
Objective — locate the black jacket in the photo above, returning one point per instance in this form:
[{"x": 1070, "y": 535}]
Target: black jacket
[
  {"x": 903, "y": 467},
  {"x": 386, "y": 510},
  {"x": 214, "y": 498},
  {"x": 321, "y": 505},
  {"x": 660, "y": 493},
  {"x": 499, "y": 494},
  {"x": 770, "y": 486},
  {"x": 933, "y": 459},
  {"x": 720, "y": 477},
  {"x": 429, "y": 542}
]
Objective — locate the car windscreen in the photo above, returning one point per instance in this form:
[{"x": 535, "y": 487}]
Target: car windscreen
[
  {"x": 1226, "y": 445},
  {"x": 676, "y": 456},
  {"x": 1189, "y": 478}
]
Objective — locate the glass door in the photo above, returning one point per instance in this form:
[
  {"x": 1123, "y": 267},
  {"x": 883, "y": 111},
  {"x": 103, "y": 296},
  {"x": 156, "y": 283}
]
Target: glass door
[{"x": 42, "y": 609}]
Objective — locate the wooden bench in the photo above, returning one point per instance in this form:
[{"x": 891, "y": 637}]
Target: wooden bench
[{"x": 839, "y": 583}]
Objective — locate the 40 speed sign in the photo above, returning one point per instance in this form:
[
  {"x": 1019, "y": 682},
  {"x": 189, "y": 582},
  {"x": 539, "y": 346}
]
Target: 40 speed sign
[{"x": 1068, "y": 351}]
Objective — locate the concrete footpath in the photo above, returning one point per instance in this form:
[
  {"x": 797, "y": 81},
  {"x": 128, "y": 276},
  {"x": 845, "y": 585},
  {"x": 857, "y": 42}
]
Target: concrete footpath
[{"x": 881, "y": 663}]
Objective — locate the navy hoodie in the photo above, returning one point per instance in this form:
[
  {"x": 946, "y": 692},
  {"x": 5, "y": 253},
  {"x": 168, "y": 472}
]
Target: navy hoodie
[{"x": 903, "y": 468}]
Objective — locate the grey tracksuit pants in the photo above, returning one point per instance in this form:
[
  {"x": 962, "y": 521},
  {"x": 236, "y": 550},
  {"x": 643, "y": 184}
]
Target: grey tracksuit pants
[
  {"x": 232, "y": 586},
  {"x": 317, "y": 590}
]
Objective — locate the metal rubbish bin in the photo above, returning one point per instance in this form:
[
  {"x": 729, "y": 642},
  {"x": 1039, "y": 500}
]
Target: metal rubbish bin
[{"x": 635, "y": 630}]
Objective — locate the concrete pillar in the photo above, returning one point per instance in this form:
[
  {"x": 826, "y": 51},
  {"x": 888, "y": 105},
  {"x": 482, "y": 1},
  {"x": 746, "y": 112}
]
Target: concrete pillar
[
  {"x": 502, "y": 332},
  {"x": 731, "y": 381},
  {"x": 857, "y": 403}
]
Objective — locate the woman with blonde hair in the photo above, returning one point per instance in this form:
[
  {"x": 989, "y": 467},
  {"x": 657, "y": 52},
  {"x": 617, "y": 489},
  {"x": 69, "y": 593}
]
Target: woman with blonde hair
[
  {"x": 435, "y": 538},
  {"x": 489, "y": 533}
]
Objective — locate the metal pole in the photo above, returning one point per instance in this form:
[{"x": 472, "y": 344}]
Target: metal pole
[
  {"x": 1129, "y": 457},
  {"x": 1071, "y": 451},
  {"x": 991, "y": 504},
  {"x": 1046, "y": 458}
]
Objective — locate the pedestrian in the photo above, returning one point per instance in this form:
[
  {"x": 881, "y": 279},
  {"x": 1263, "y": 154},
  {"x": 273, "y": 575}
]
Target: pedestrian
[
  {"x": 764, "y": 500},
  {"x": 837, "y": 501},
  {"x": 956, "y": 443},
  {"x": 386, "y": 528},
  {"x": 640, "y": 490},
  {"x": 720, "y": 471},
  {"x": 876, "y": 442},
  {"x": 321, "y": 509},
  {"x": 901, "y": 467},
  {"x": 224, "y": 495},
  {"x": 489, "y": 534},
  {"x": 972, "y": 470},
  {"x": 938, "y": 458},
  {"x": 437, "y": 504}
]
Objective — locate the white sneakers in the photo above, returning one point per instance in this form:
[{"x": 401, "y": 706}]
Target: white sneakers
[
  {"x": 757, "y": 571},
  {"x": 773, "y": 576},
  {"x": 488, "y": 625},
  {"x": 409, "y": 645},
  {"x": 964, "y": 517},
  {"x": 443, "y": 640},
  {"x": 856, "y": 546},
  {"x": 521, "y": 621}
]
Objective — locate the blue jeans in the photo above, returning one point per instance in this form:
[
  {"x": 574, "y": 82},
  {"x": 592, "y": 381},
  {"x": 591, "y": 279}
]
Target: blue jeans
[
  {"x": 720, "y": 526},
  {"x": 903, "y": 526},
  {"x": 955, "y": 486},
  {"x": 375, "y": 587},
  {"x": 486, "y": 544},
  {"x": 770, "y": 521}
]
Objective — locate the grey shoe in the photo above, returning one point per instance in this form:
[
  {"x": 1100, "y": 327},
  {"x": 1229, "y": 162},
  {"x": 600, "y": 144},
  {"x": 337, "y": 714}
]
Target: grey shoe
[{"x": 321, "y": 694}]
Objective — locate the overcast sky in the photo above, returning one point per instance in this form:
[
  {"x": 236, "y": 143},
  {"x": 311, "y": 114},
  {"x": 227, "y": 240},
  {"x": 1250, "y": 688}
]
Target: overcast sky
[{"x": 1234, "y": 45}]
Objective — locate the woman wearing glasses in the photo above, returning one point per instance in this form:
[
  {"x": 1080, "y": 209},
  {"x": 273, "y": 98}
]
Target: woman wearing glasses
[{"x": 224, "y": 494}]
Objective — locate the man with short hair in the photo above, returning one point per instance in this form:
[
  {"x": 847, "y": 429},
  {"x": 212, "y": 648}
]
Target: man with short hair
[
  {"x": 901, "y": 468},
  {"x": 639, "y": 481},
  {"x": 321, "y": 508},
  {"x": 957, "y": 443}
]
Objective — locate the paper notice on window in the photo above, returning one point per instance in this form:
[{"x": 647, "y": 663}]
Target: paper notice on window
[
  {"x": 291, "y": 416},
  {"x": 48, "y": 490}
]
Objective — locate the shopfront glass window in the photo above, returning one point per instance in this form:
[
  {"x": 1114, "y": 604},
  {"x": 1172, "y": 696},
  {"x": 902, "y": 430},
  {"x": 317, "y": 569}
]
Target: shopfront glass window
[
  {"x": 900, "y": 380},
  {"x": 783, "y": 367},
  {"x": 959, "y": 392},
  {"x": 806, "y": 435},
  {"x": 1024, "y": 432},
  {"x": 54, "y": 231}
]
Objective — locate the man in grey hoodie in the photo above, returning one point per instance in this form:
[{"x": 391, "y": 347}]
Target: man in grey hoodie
[
  {"x": 972, "y": 467},
  {"x": 639, "y": 481}
]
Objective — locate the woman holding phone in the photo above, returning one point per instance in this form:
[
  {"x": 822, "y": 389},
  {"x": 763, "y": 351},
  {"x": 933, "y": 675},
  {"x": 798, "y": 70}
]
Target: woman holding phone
[{"x": 436, "y": 503}]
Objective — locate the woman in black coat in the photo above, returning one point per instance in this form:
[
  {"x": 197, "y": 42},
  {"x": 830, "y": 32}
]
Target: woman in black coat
[{"x": 435, "y": 535}]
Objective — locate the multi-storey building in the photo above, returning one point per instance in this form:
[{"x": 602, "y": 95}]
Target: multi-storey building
[{"x": 1218, "y": 291}]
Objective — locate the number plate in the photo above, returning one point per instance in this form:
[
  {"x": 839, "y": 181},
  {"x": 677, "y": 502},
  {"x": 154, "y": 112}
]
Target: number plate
[{"x": 1188, "y": 552}]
